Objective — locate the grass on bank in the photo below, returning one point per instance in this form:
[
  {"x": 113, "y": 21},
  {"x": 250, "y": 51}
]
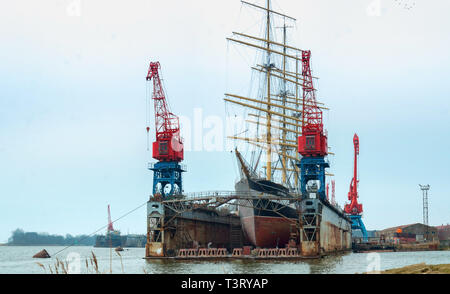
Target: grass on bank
[
  {"x": 421, "y": 268},
  {"x": 91, "y": 264}
]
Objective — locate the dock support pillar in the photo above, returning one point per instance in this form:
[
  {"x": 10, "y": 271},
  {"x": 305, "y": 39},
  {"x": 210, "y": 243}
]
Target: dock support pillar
[
  {"x": 310, "y": 219},
  {"x": 313, "y": 168},
  {"x": 167, "y": 178},
  {"x": 155, "y": 246},
  {"x": 357, "y": 224}
]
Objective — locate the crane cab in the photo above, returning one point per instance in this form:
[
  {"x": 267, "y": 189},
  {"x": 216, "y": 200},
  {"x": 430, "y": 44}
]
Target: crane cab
[
  {"x": 312, "y": 143},
  {"x": 168, "y": 149}
]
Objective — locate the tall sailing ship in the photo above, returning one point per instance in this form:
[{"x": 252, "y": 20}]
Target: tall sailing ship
[{"x": 276, "y": 113}]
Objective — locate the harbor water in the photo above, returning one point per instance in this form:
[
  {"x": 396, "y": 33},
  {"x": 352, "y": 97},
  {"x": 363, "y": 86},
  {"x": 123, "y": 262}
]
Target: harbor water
[{"x": 18, "y": 260}]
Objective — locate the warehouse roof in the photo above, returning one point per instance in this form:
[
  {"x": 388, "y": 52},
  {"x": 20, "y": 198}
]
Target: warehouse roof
[{"x": 400, "y": 227}]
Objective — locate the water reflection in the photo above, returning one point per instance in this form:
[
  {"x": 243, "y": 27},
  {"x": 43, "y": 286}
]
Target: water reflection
[
  {"x": 325, "y": 265},
  {"x": 15, "y": 259}
]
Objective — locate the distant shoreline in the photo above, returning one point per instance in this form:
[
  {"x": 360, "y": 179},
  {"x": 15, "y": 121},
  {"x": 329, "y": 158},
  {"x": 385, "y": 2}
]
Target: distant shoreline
[{"x": 60, "y": 245}]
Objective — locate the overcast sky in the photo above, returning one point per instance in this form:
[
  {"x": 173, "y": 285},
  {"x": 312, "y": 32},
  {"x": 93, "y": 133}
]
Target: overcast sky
[{"x": 72, "y": 102}]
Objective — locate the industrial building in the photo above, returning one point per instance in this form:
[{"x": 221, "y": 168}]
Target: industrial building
[
  {"x": 409, "y": 233},
  {"x": 444, "y": 235}
]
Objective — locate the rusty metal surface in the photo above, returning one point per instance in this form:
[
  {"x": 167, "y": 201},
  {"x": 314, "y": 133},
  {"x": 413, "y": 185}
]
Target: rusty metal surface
[
  {"x": 193, "y": 228},
  {"x": 323, "y": 229},
  {"x": 335, "y": 231},
  {"x": 190, "y": 232},
  {"x": 154, "y": 249}
]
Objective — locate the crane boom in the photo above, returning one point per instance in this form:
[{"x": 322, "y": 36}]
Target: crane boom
[
  {"x": 313, "y": 141},
  {"x": 168, "y": 145},
  {"x": 110, "y": 225},
  {"x": 354, "y": 207}
]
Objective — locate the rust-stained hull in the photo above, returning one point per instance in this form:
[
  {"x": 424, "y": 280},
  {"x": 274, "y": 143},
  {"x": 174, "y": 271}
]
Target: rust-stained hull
[
  {"x": 324, "y": 228},
  {"x": 197, "y": 228},
  {"x": 267, "y": 232},
  {"x": 264, "y": 228}
]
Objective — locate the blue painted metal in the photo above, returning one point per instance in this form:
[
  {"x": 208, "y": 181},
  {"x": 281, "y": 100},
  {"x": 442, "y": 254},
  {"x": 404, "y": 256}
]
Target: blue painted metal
[
  {"x": 357, "y": 224},
  {"x": 165, "y": 173},
  {"x": 313, "y": 168}
]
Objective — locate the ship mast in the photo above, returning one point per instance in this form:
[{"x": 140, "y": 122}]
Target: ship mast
[
  {"x": 269, "y": 116},
  {"x": 283, "y": 95},
  {"x": 275, "y": 111}
]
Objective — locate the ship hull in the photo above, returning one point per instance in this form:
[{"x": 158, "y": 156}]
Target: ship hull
[
  {"x": 109, "y": 241},
  {"x": 263, "y": 227},
  {"x": 324, "y": 228},
  {"x": 266, "y": 232}
]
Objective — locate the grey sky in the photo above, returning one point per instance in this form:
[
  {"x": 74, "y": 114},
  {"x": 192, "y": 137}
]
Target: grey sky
[{"x": 72, "y": 102}]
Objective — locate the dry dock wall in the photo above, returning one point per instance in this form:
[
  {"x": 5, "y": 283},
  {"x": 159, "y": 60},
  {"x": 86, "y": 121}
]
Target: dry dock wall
[
  {"x": 169, "y": 231},
  {"x": 324, "y": 229}
]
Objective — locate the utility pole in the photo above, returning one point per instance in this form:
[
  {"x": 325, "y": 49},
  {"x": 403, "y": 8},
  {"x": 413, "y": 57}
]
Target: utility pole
[{"x": 425, "y": 189}]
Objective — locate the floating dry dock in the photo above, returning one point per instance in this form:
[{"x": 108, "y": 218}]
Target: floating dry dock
[{"x": 195, "y": 227}]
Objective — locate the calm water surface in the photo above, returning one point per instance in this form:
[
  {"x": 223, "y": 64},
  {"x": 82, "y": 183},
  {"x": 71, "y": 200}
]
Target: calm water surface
[{"x": 18, "y": 260}]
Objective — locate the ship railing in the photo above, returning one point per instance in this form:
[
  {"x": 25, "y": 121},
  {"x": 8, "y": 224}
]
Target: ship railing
[
  {"x": 151, "y": 165},
  {"x": 214, "y": 195}
]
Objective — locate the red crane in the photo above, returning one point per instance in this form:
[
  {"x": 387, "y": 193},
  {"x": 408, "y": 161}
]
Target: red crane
[
  {"x": 168, "y": 145},
  {"x": 313, "y": 141},
  {"x": 354, "y": 208},
  {"x": 312, "y": 144},
  {"x": 110, "y": 225}
]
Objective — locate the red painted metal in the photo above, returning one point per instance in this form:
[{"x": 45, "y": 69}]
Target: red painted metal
[
  {"x": 168, "y": 145},
  {"x": 313, "y": 141},
  {"x": 110, "y": 225},
  {"x": 328, "y": 186},
  {"x": 354, "y": 207},
  {"x": 333, "y": 190}
]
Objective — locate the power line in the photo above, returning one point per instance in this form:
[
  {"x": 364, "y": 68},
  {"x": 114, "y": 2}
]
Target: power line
[{"x": 103, "y": 227}]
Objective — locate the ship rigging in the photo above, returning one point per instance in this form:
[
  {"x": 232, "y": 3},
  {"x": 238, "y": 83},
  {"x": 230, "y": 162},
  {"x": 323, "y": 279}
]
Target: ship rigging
[{"x": 276, "y": 111}]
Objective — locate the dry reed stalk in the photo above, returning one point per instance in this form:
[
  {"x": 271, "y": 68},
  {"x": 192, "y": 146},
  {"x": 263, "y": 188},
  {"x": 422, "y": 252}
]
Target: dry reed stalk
[
  {"x": 42, "y": 266},
  {"x": 121, "y": 263},
  {"x": 95, "y": 262}
]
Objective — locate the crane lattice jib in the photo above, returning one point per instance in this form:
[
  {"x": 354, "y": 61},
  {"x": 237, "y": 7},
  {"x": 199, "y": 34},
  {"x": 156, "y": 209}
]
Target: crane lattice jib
[
  {"x": 110, "y": 224},
  {"x": 312, "y": 113},
  {"x": 166, "y": 123},
  {"x": 168, "y": 145},
  {"x": 313, "y": 141}
]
